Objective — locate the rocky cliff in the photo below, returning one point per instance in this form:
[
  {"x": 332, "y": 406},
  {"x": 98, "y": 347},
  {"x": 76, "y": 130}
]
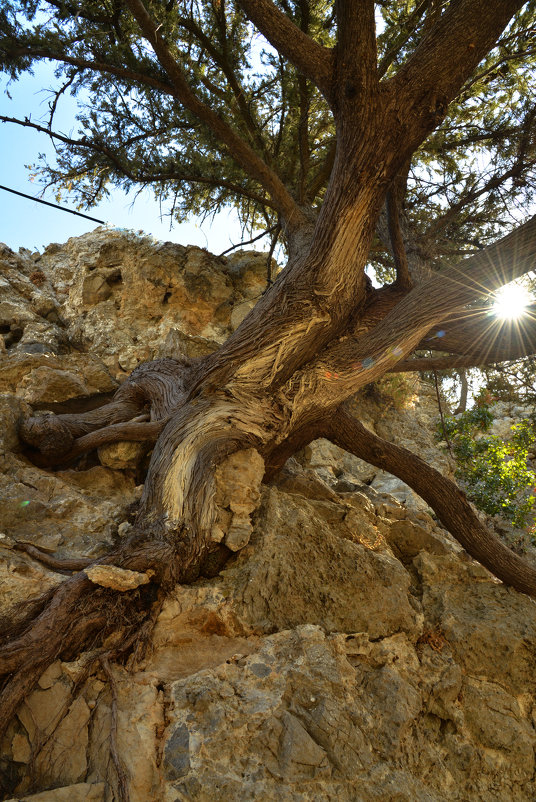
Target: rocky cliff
[{"x": 351, "y": 651}]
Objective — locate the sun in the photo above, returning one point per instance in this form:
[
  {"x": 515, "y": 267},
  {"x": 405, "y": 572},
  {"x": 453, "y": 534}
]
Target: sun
[{"x": 511, "y": 302}]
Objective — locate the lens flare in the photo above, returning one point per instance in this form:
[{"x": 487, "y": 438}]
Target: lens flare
[{"x": 511, "y": 302}]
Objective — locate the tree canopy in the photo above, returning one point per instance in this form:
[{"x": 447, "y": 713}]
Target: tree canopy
[{"x": 237, "y": 122}]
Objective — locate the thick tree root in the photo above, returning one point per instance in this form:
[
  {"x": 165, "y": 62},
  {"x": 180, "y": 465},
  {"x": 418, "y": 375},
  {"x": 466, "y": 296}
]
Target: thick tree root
[
  {"x": 133, "y": 430},
  {"x": 62, "y": 438},
  {"x": 79, "y": 615}
]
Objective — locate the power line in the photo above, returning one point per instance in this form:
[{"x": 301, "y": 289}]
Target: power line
[{"x": 54, "y": 205}]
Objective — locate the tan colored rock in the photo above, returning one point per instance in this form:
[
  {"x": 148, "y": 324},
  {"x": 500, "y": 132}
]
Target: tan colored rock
[
  {"x": 22, "y": 372},
  {"x": 12, "y": 409},
  {"x": 21, "y": 749},
  {"x": 95, "y": 288},
  {"x": 111, "y": 576},
  {"x": 140, "y": 717},
  {"x": 298, "y": 569},
  {"x": 41, "y": 337},
  {"x": 239, "y": 313},
  {"x": 72, "y": 512},
  {"x": 125, "y": 455},
  {"x": 44, "y": 709},
  {"x": 407, "y": 539},
  {"x": 47, "y": 385},
  {"x": 502, "y": 727},
  {"x": 491, "y": 628},
  {"x": 332, "y": 463},
  {"x": 49, "y": 677},
  {"x": 238, "y": 479},
  {"x": 22, "y": 579},
  {"x": 80, "y": 792},
  {"x": 177, "y": 343}
]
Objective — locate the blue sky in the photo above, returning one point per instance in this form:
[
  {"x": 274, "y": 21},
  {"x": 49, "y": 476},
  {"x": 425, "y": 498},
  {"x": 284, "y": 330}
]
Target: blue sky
[{"x": 24, "y": 223}]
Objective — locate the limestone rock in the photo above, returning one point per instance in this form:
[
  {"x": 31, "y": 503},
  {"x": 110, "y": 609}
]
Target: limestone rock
[
  {"x": 80, "y": 792},
  {"x": 237, "y": 495},
  {"x": 408, "y": 539},
  {"x": 347, "y": 651},
  {"x": 239, "y": 313},
  {"x": 140, "y": 718},
  {"x": 46, "y": 385},
  {"x": 111, "y": 576},
  {"x": 124, "y": 455},
  {"x": 72, "y": 512},
  {"x": 12, "y": 409},
  {"x": 22, "y": 579},
  {"x": 300, "y": 570}
]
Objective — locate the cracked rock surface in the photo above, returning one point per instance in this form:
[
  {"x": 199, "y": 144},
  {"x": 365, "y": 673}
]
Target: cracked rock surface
[{"x": 349, "y": 650}]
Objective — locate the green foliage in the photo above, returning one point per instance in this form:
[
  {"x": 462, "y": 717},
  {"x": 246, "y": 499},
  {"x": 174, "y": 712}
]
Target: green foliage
[
  {"x": 512, "y": 381},
  {"x": 131, "y": 130},
  {"x": 494, "y": 473},
  {"x": 396, "y": 390}
]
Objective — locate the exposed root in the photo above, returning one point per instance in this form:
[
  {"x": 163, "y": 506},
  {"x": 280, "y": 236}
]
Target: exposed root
[
  {"x": 160, "y": 384},
  {"x": 132, "y": 430},
  {"x": 122, "y": 780},
  {"x": 61, "y": 566},
  {"x": 138, "y": 432},
  {"x": 78, "y": 616}
]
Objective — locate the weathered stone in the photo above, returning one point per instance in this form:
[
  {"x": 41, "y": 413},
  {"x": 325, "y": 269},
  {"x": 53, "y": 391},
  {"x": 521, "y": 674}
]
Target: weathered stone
[
  {"x": 49, "y": 677},
  {"x": 12, "y": 409},
  {"x": 491, "y": 628},
  {"x": 125, "y": 455},
  {"x": 21, "y": 748},
  {"x": 140, "y": 719},
  {"x": 237, "y": 481},
  {"x": 300, "y": 570},
  {"x": 111, "y": 576},
  {"x": 345, "y": 654},
  {"x": 71, "y": 512},
  {"x": 46, "y": 385},
  {"x": 95, "y": 288},
  {"x": 407, "y": 539},
  {"x": 239, "y": 313},
  {"x": 21, "y": 579},
  {"x": 80, "y": 792}
]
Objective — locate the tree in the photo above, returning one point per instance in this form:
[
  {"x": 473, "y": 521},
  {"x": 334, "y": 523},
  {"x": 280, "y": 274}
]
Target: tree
[{"x": 353, "y": 148}]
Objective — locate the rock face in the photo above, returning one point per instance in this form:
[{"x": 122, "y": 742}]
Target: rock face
[{"x": 349, "y": 650}]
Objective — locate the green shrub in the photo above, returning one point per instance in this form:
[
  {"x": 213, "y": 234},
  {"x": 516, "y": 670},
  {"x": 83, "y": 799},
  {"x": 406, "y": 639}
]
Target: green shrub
[{"x": 494, "y": 473}]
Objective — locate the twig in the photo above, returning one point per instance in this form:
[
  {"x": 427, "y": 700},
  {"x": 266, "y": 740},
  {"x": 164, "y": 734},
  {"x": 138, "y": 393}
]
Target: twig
[
  {"x": 440, "y": 407},
  {"x": 248, "y": 241}
]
